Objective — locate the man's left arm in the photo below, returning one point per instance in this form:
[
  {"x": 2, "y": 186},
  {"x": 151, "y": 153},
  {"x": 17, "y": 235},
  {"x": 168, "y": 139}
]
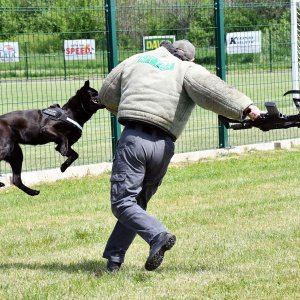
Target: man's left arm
[{"x": 212, "y": 93}]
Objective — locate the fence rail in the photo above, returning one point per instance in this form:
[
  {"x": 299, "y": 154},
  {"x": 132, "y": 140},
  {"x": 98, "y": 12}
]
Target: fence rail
[{"x": 37, "y": 72}]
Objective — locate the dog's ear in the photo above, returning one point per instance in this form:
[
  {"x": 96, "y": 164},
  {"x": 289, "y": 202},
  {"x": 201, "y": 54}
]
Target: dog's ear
[{"x": 85, "y": 87}]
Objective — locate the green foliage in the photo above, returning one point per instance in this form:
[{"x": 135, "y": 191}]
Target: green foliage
[
  {"x": 41, "y": 26},
  {"x": 241, "y": 18},
  {"x": 69, "y": 19}
]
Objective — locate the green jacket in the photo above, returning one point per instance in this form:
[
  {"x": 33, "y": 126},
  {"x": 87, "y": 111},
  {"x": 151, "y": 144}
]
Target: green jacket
[{"x": 157, "y": 88}]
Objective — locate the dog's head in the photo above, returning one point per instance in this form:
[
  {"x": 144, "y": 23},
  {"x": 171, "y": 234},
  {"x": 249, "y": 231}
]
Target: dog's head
[
  {"x": 88, "y": 98},
  {"x": 83, "y": 104}
]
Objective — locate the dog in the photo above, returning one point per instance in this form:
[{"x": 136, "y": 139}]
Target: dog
[{"x": 63, "y": 126}]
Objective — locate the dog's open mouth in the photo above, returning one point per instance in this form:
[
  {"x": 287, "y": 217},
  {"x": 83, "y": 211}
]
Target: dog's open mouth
[{"x": 97, "y": 101}]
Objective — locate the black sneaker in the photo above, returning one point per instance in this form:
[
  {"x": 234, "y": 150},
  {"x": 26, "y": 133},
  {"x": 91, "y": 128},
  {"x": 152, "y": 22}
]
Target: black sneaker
[
  {"x": 164, "y": 242},
  {"x": 113, "y": 267}
]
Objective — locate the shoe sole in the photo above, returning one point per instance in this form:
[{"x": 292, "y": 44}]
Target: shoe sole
[
  {"x": 113, "y": 270},
  {"x": 113, "y": 267},
  {"x": 158, "y": 257}
]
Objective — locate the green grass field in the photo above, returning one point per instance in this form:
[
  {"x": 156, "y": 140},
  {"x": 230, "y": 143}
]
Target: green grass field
[{"x": 236, "y": 219}]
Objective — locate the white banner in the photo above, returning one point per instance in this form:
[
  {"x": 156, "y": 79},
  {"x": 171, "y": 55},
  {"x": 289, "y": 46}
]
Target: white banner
[
  {"x": 9, "y": 52},
  {"x": 79, "y": 49},
  {"x": 243, "y": 42}
]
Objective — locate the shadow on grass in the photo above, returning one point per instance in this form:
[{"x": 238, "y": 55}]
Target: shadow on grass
[
  {"x": 98, "y": 268},
  {"x": 91, "y": 267}
]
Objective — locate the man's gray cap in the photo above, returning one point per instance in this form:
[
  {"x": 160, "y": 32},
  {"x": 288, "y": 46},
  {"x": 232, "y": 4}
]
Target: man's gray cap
[{"x": 187, "y": 47}]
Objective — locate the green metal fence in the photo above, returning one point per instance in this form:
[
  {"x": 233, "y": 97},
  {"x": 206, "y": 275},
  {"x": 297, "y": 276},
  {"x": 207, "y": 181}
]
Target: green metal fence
[{"x": 44, "y": 74}]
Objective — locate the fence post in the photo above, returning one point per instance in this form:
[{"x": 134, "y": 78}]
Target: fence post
[
  {"x": 270, "y": 50},
  {"x": 112, "y": 57},
  {"x": 294, "y": 45},
  {"x": 220, "y": 60},
  {"x": 65, "y": 66},
  {"x": 26, "y": 62}
]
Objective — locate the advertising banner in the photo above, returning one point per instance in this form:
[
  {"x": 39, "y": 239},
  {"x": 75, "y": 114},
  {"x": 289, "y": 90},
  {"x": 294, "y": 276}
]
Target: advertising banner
[
  {"x": 79, "y": 49},
  {"x": 243, "y": 42},
  {"x": 9, "y": 52}
]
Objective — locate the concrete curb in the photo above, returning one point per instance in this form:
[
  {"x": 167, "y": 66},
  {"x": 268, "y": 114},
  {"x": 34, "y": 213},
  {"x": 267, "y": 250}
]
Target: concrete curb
[
  {"x": 213, "y": 153},
  {"x": 52, "y": 175}
]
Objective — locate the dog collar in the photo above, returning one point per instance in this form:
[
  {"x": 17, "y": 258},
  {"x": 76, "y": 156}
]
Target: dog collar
[
  {"x": 74, "y": 123},
  {"x": 56, "y": 113}
]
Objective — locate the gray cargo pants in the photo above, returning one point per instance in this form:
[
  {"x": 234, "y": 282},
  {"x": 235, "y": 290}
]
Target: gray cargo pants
[{"x": 140, "y": 163}]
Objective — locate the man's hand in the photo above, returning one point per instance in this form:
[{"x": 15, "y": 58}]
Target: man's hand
[{"x": 253, "y": 112}]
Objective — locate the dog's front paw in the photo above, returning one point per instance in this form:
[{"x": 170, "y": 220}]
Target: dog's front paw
[{"x": 63, "y": 167}]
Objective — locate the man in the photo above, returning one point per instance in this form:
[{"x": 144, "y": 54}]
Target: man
[{"x": 153, "y": 95}]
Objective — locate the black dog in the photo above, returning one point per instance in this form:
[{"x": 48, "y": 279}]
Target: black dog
[{"x": 62, "y": 126}]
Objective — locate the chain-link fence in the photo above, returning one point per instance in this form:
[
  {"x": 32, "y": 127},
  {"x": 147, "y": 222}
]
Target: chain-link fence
[{"x": 48, "y": 48}]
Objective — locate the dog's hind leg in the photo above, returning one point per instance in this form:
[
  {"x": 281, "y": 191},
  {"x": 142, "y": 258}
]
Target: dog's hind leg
[
  {"x": 5, "y": 144},
  {"x": 1, "y": 183},
  {"x": 15, "y": 160},
  {"x": 72, "y": 156}
]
